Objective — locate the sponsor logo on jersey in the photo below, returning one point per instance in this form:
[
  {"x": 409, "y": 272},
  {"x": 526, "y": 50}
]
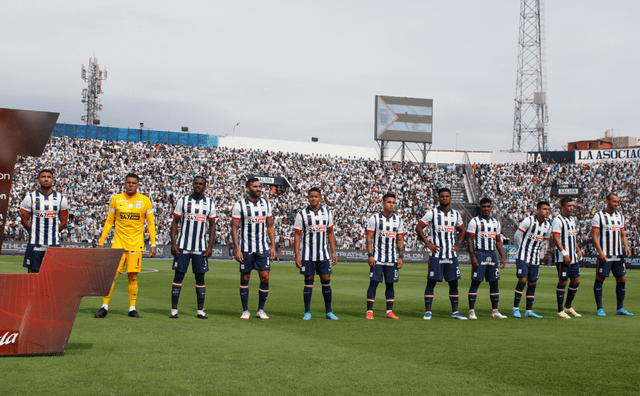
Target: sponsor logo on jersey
[
  {"x": 318, "y": 228},
  {"x": 488, "y": 234},
  {"x": 612, "y": 227},
  {"x": 445, "y": 228},
  {"x": 196, "y": 217},
  {"x": 446, "y": 261},
  {"x": 388, "y": 234},
  {"x": 538, "y": 238},
  {"x": 256, "y": 219},
  {"x": 129, "y": 216},
  {"x": 45, "y": 214}
]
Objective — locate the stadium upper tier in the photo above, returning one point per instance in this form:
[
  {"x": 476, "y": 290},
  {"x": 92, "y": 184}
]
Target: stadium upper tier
[
  {"x": 134, "y": 135},
  {"x": 91, "y": 171}
]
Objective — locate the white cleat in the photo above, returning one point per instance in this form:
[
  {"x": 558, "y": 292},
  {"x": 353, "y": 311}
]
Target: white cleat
[
  {"x": 496, "y": 314},
  {"x": 472, "y": 314},
  {"x": 245, "y": 315},
  {"x": 262, "y": 315}
]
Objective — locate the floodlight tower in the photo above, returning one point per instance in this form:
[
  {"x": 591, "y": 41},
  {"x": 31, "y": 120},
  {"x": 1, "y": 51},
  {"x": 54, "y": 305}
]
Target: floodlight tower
[
  {"x": 94, "y": 76},
  {"x": 530, "y": 119}
]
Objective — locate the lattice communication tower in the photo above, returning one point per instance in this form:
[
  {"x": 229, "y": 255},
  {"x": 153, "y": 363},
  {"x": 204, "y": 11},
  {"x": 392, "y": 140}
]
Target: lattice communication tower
[
  {"x": 530, "y": 119},
  {"x": 94, "y": 76}
]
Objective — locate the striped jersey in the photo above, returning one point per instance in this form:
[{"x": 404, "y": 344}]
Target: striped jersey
[
  {"x": 45, "y": 216},
  {"x": 194, "y": 217},
  {"x": 535, "y": 233},
  {"x": 610, "y": 225},
  {"x": 314, "y": 226},
  {"x": 128, "y": 213},
  {"x": 385, "y": 233},
  {"x": 253, "y": 224},
  {"x": 443, "y": 230},
  {"x": 566, "y": 228},
  {"x": 485, "y": 232}
]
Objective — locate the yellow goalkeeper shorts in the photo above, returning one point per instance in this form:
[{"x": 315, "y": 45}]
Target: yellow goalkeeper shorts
[{"x": 133, "y": 260}]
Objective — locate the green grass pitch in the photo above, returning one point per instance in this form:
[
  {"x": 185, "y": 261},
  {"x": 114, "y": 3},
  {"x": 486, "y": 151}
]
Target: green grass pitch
[{"x": 353, "y": 356}]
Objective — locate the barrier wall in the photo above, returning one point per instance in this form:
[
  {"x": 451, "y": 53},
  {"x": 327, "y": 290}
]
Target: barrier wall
[{"x": 344, "y": 255}]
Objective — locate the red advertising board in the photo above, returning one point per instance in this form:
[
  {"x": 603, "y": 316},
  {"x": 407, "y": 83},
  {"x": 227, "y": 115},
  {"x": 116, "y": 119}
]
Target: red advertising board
[{"x": 37, "y": 311}]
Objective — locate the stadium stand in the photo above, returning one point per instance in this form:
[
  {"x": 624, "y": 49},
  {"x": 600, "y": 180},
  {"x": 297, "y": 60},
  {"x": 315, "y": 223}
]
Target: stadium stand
[
  {"x": 90, "y": 171},
  {"x": 517, "y": 187}
]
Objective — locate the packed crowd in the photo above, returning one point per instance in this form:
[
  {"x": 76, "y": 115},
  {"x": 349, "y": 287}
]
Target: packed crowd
[
  {"x": 516, "y": 188},
  {"x": 90, "y": 172}
]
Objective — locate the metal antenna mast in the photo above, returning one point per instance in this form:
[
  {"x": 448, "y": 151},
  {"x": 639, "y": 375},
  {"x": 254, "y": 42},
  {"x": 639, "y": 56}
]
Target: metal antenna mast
[
  {"x": 530, "y": 119},
  {"x": 90, "y": 94}
]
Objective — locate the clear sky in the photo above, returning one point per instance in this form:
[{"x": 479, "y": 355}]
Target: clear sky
[{"x": 297, "y": 69}]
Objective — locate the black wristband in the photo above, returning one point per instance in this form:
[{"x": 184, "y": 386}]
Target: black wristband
[
  {"x": 370, "y": 254},
  {"x": 401, "y": 256}
]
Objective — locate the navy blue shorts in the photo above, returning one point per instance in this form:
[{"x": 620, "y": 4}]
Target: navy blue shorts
[
  {"x": 568, "y": 271},
  {"x": 526, "y": 270},
  {"x": 255, "y": 261},
  {"x": 447, "y": 268},
  {"x": 181, "y": 263},
  {"x": 390, "y": 273},
  {"x": 33, "y": 256},
  {"x": 615, "y": 265},
  {"x": 320, "y": 267},
  {"x": 488, "y": 268}
]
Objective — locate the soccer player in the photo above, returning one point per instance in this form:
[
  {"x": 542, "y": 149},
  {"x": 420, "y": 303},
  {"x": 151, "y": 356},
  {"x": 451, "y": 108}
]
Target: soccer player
[
  {"x": 43, "y": 213},
  {"x": 196, "y": 216},
  {"x": 314, "y": 225},
  {"x": 128, "y": 210},
  {"x": 532, "y": 232},
  {"x": 442, "y": 221},
  {"x": 568, "y": 256},
  {"x": 483, "y": 238},
  {"x": 385, "y": 248},
  {"x": 252, "y": 217},
  {"x": 608, "y": 237}
]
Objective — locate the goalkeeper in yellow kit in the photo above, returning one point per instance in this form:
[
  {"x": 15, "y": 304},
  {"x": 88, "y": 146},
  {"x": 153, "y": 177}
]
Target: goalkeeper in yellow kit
[{"x": 128, "y": 210}]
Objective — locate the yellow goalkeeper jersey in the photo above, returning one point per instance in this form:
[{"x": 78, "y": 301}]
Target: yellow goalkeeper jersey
[{"x": 129, "y": 214}]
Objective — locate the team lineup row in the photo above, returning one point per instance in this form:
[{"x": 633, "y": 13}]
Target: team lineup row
[{"x": 44, "y": 213}]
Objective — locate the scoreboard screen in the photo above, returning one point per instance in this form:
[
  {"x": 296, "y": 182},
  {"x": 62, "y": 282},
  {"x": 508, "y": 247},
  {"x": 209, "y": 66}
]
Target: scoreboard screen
[{"x": 403, "y": 119}]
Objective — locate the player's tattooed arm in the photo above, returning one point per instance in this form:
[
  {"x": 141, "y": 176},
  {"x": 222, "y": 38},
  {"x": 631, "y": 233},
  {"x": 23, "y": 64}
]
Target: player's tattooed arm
[
  {"x": 371, "y": 260},
  {"x": 400, "y": 248},
  {"x": 296, "y": 247},
  {"x": 235, "y": 225},
  {"x": 271, "y": 231}
]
